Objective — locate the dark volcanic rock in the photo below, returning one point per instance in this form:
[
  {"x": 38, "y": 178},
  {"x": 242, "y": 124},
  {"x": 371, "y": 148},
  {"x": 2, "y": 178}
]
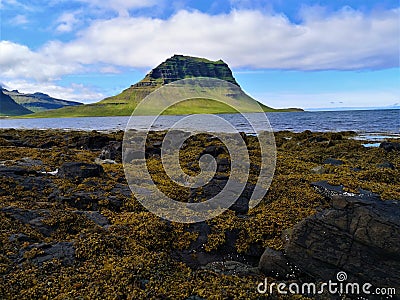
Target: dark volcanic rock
[
  {"x": 333, "y": 161},
  {"x": 80, "y": 170},
  {"x": 30, "y": 217},
  {"x": 180, "y": 67},
  {"x": 359, "y": 235},
  {"x": 387, "y": 165},
  {"x": 90, "y": 142},
  {"x": 274, "y": 263},
  {"x": 390, "y": 146},
  {"x": 43, "y": 252}
]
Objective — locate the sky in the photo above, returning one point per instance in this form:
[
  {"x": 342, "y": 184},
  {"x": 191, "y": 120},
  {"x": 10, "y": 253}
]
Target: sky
[{"x": 285, "y": 53}]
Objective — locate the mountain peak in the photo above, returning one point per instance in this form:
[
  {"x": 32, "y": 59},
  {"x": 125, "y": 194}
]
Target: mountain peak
[{"x": 180, "y": 67}]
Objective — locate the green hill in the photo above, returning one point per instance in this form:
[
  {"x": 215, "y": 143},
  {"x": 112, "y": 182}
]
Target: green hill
[
  {"x": 8, "y": 107},
  {"x": 37, "y": 102},
  {"x": 175, "y": 68}
]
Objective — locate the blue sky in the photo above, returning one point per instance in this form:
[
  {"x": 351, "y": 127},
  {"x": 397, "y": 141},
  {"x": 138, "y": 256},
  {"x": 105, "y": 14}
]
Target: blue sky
[{"x": 309, "y": 54}]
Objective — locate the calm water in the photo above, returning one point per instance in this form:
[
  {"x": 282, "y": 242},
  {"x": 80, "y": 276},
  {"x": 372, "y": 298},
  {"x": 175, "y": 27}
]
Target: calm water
[{"x": 369, "y": 124}]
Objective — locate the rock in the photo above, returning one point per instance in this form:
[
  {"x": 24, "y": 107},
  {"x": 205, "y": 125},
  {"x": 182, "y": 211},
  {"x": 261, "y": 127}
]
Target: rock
[
  {"x": 274, "y": 263},
  {"x": 31, "y": 217},
  {"x": 231, "y": 268},
  {"x": 43, "y": 252},
  {"x": 80, "y": 170},
  {"x": 318, "y": 170},
  {"x": 386, "y": 165},
  {"x": 13, "y": 170},
  {"x": 21, "y": 238},
  {"x": 92, "y": 142},
  {"x": 359, "y": 235},
  {"x": 390, "y": 146},
  {"x": 195, "y": 256},
  {"x": 223, "y": 164},
  {"x": 29, "y": 162},
  {"x": 333, "y": 161},
  {"x": 113, "y": 151},
  {"x": 94, "y": 216},
  {"x": 329, "y": 191},
  {"x": 80, "y": 201},
  {"x": 318, "y": 139}
]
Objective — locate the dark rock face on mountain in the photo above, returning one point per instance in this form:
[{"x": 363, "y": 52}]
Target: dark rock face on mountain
[
  {"x": 180, "y": 67},
  {"x": 38, "y": 101},
  {"x": 8, "y": 107}
]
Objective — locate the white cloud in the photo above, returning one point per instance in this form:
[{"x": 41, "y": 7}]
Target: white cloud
[
  {"x": 344, "y": 40},
  {"x": 18, "y": 61},
  {"x": 19, "y": 20},
  {"x": 67, "y": 21},
  {"x": 74, "y": 92}
]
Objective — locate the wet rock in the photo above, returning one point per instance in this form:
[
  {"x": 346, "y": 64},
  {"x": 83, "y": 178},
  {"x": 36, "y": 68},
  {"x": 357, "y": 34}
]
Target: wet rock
[
  {"x": 32, "y": 217},
  {"x": 329, "y": 191},
  {"x": 386, "y": 165},
  {"x": 80, "y": 200},
  {"x": 80, "y": 170},
  {"x": 92, "y": 142},
  {"x": 113, "y": 151},
  {"x": 390, "y": 146},
  {"x": 29, "y": 162},
  {"x": 359, "y": 234},
  {"x": 21, "y": 238},
  {"x": 195, "y": 256},
  {"x": 15, "y": 170},
  {"x": 43, "y": 252},
  {"x": 333, "y": 161},
  {"x": 94, "y": 216},
  {"x": 231, "y": 268},
  {"x": 274, "y": 263}
]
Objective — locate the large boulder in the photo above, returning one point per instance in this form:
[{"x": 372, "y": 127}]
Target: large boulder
[{"x": 359, "y": 234}]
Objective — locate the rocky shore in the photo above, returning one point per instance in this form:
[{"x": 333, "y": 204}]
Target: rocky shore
[{"x": 71, "y": 227}]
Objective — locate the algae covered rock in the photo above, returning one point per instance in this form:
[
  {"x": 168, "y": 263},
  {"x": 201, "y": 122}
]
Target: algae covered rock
[{"x": 80, "y": 170}]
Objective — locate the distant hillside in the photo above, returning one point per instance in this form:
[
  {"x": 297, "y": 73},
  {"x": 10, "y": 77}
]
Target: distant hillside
[
  {"x": 175, "y": 68},
  {"x": 8, "y": 107},
  {"x": 38, "y": 101}
]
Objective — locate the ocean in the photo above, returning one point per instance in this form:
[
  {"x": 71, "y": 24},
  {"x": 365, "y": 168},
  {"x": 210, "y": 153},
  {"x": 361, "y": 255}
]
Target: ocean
[{"x": 370, "y": 124}]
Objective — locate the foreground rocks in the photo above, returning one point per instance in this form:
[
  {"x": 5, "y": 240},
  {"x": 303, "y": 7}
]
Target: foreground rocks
[
  {"x": 359, "y": 234},
  {"x": 71, "y": 227}
]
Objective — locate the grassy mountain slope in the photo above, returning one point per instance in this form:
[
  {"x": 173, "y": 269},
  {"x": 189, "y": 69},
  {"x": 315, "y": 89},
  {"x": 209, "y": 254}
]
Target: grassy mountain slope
[
  {"x": 37, "y": 102},
  {"x": 8, "y": 107}
]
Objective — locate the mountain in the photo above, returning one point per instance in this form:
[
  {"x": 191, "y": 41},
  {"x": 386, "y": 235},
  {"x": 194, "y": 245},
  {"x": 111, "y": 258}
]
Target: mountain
[
  {"x": 38, "y": 101},
  {"x": 175, "y": 68},
  {"x": 8, "y": 107}
]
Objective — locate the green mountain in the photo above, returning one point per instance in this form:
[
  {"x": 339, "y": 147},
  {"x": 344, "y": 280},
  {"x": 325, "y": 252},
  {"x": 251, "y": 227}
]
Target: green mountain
[
  {"x": 8, "y": 107},
  {"x": 38, "y": 101},
  {"x": 175, "y": 68}
]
